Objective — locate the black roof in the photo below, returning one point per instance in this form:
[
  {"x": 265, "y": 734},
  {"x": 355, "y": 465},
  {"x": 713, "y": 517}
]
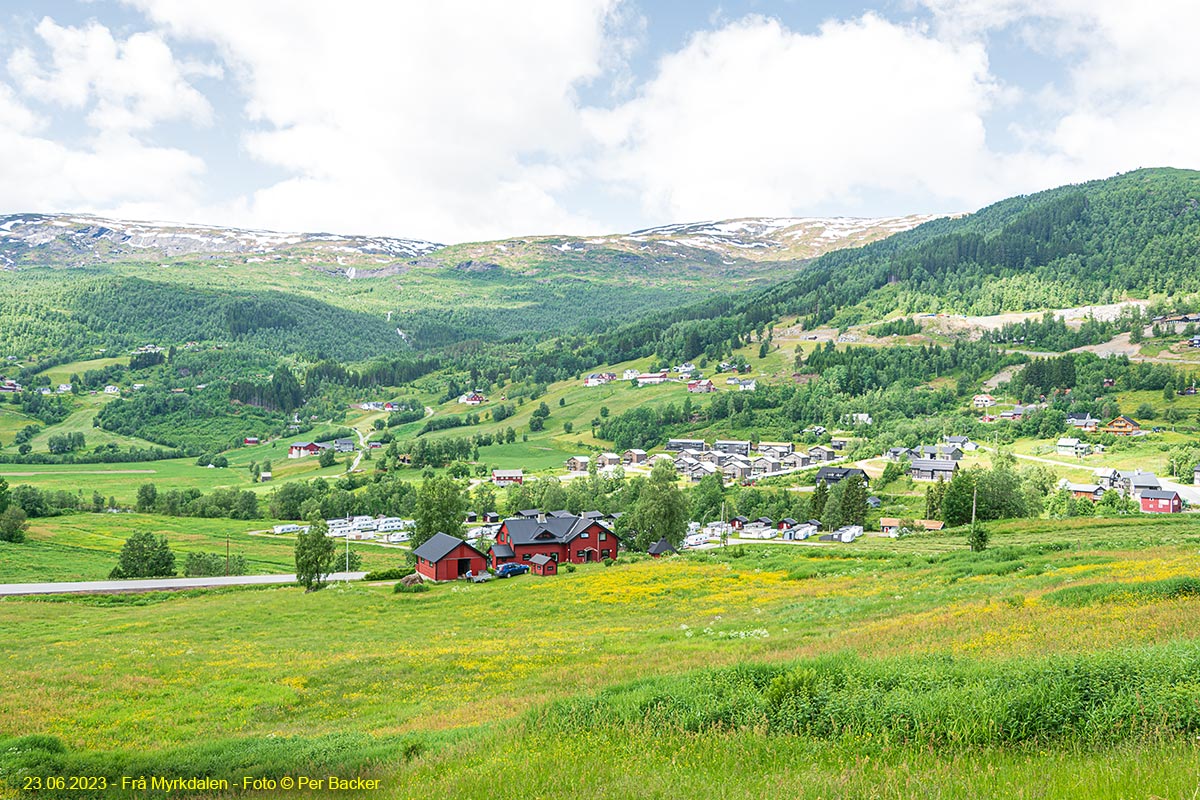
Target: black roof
[
  {"x": 934, "y": 465},
  {"x": 740, "y": 519},
  {"x": 557, "y": 530},
  {"x": 529, "y": 512},
  {"x": 789, "y": 521},
  {"x": 502, "y": 551},
  {"x": 561, "y": 514},
  {"x": 439, "y": 546},
  {"x": 592, "y": 515},
  {"x": 1158, "y": 494},
  {"x": 660, "y": 547},
  {"x": 835, "y": 474},
  {"x": 765, "y": 520}
]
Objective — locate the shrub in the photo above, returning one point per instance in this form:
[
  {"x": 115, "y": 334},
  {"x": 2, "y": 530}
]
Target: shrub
[
  {"x": 569, "y": 567},
  {"x": 416, "y": 588},
  {"x": 392, "y": 574},
  {"x": 608, "y": 562}
]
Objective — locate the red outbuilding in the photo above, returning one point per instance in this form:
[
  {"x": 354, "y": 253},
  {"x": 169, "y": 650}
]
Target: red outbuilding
[
  {"x": 1160, "y": 501},
  {"x": 444, "y": 558},
  {"x": 542, "y": 564}
]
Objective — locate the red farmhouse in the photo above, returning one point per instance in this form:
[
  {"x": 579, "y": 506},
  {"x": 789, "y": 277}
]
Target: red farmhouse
[
  {"x": 572, "y": 539},
  {"x": 444, "y": 557},
  {"x": 1158, "y": 501}
]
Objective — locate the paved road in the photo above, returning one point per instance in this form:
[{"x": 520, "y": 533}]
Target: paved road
[{"x": 155, "y": 584}]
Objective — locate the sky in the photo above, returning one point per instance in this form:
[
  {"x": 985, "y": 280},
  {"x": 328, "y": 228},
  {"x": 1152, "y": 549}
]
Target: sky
[{"x": 463, "y": 121}]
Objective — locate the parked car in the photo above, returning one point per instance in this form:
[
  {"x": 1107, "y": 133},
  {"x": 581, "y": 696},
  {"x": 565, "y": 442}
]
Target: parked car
[{"x": 510, "y": 569}]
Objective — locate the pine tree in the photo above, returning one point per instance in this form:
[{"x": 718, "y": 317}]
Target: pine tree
[{"x": 820, "y": 497}]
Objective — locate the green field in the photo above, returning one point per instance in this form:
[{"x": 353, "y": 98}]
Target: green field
[
  {"x": 84, "y": 547},
  {"x": 657, "y": 678}
]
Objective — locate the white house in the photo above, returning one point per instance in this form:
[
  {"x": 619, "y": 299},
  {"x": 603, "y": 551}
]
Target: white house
[{"x": 983, "y": 401}]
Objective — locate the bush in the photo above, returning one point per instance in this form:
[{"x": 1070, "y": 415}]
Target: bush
[
  {"x": 416, "y": 588},
  {"x": 569, "y": 567},
  {"x": 608, "y": 562},
  {"x": 392, "y": 574}
]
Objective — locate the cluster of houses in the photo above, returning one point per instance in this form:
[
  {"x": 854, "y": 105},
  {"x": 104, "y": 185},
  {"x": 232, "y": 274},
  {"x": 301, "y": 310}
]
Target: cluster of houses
[
  {"x": 931, "y": 462},
  {"x": 791, "y": 530},
  {"x": 1144, "y": 487},
  {"x": 303, "y": 449},
  {"x": 472, "y": 398},
  {"x": 738, "y": 459},
  {"x": 9, "y": 386},
  {"x": 375, "y": 405},
  {"x": 599, "y": 378}
]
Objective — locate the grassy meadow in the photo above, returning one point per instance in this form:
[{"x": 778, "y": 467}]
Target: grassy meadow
[
  {"x": 85, "y": 547},
  {"x": 886, "y": 668}
]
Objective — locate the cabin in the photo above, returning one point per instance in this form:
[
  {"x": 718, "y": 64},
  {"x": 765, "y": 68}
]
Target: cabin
[
  {"x": 764, "y": 465},
  {"x": 302, "y": 449},
  {"x": 542, "y": 564},
  {"x": 832, "y": 475},
  {"x": 445, "y": 558},
  {"x": 983, "y": 401},
  {"x": 608, "y": 460},
  {"x": 736, "y": 470},
  {"x": 1122, "y": 426},
  {"x": 1070, "y": 446},
  {"x": 779, "y": 449},
  {"x": 739, "y": 522},
  {"x": 800, "y": 531},
  {"x": 508, "y": 477},
  {"x": 263, "y": 477},
  {"x": 930, "y": 469},
  {"x": 821, "y": 453},
  {"x": 568, "y": 538},
  {"x": 838, "y": 444},
  {"x": 1160, "y": 501},
  {"x": 578, "y": 463},
  {"x": 787, "y": 522},
  {"x": 661, "y": 548},
  {"x": 899, "y": 454},
  {"x": 795, "y": 461},
  {"x": 633, "y": 457},
  {"x": 1084, "y": 491},
  {"x": 491, "y": 517},
  {"x": 733, "y": 446},
  {"x": 250, "y": 440}
]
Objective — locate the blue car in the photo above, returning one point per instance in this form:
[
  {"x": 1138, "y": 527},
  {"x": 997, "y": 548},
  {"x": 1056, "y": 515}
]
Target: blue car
[{"x": 510, "y": 569}]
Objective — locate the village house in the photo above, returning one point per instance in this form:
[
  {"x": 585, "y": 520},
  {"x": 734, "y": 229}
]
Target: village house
[
  {"x": 963, "y": 443},
  {"x": 795, "y": 460},
  {"x": 739, "y": 522},
  {"x": 748, "y": 385},
  {"x": 1123, "y": 426},
  {"x": 858, "y": 419},
  {"x": 779, "y": 449},
  {"x": 941, "y": 452},
  {"x": 736, "y": 470},
  {"x": 633, "y": 457},
  {"x": 764, "y": 465},
  {"x": 608, "y": 460},
  {"x": 983, "y": 401},
  {"x": 250, "y": 440},
  {"x": 444, "y": 558},
  {"x": 1083, "y": 491},
  {"x": 930, "y": 469},
  {"x": 630, "y": 374},
  {"x": 571, "y": 539},
  {"x": 900, "y": 453},
  {"x": 1107, "y": 478},
  {"x": 472, "y": 399},
  {"x": 675, "y": 445},
  {"x": 701, "y": 387},
  {"x": 110, "y": 389},
  {"x": 838, "y": 444},
  {"x": 508, "y": 477},
  {"x": 578, "y": 463},
  {"x": 735, "y": 446},
  {"x": 1069, "y": 446},
  {"x": 699, "y": 469},
  {"x": 343, "y": 445},
  {"x": 1137, "y": 482},
  {"x": 599, "y": 378},
  {"x": 1083, "y": 420},
  {"x": 1161, "y": 501},
  {"x": 831, "y": 475},
  {"x": 9, "y": 386},
  {"x": 820, "y": 452},
  {"x": 652, "y": 378},
  {"x": 302, "y": 449},
  {"x": 661, "y": 548}
]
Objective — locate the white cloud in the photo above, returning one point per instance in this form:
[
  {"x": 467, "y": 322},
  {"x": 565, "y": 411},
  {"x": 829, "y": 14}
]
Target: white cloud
[
  {"x": 441, "y": 120},
  {"x": 127, "y": 85},
  {"x": 753, "y": 118}
]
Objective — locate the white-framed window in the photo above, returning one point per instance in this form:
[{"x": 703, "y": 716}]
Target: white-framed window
[
  {"x": 583, "y": 535},
  {"x": 604, "y": 537}
]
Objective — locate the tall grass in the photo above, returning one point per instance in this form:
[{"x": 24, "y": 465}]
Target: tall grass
[{"x": 926, "y": 700}]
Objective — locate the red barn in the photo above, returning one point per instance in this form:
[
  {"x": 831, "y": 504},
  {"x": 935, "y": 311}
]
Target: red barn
[
  {"x": 250, "y": 440},
  {"x": 566, "y": 538},
  {"x": 1160, "y": 501},
  {"x": 301, "y": 449},
  {"x": 444, "y": 558}
]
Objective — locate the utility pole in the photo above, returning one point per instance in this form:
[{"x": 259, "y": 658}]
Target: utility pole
[
  {"x": 974, "y": 500},
  {"x": 227, "y": 555},
  {"x": 347, "y": 558}
]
